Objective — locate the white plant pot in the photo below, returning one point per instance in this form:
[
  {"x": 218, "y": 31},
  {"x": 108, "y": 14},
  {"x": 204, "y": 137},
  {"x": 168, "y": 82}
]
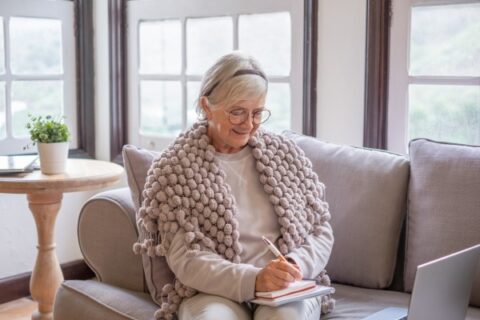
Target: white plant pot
[{"x": 53, "y": 157}]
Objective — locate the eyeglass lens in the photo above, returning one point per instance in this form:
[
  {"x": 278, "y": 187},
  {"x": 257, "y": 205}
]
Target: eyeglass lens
[{"x": 237, "y": 117}]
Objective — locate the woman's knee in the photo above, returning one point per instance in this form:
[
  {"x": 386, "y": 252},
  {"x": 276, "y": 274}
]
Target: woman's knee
[
  {"x": 308, "y": 309},
  {"x": 209, "y": 307}
]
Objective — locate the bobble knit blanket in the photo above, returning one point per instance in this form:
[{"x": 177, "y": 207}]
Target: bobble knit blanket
[{"x": 186, "y": 190}]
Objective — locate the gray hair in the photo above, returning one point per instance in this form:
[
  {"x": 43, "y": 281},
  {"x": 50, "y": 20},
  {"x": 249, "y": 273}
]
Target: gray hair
[{"x": 235, "y": 76}]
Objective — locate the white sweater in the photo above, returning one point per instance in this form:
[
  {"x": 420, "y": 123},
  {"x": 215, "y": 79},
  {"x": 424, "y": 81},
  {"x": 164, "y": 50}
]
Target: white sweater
[{"x": 210, "y": 273}]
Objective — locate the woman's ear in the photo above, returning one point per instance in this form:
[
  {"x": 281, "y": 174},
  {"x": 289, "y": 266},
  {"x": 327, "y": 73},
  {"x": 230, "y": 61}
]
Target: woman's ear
[{"x": 205, "y": 107}]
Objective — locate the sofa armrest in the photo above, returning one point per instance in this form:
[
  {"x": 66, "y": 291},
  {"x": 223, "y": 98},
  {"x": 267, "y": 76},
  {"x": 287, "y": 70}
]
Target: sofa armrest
[{"x": 106, "y": 234}]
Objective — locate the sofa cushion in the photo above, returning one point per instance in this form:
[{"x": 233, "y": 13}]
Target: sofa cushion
[
  {"x": 443, "y": 206},
  {"x": 93, "y": 300},
  {"x": 357, "y": 303},
  {"x": 137, "y": 163},
  {"x": 366, "y": 191}
]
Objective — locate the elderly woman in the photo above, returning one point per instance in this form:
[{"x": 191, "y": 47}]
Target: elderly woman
[{"x": 217, "y": 189}]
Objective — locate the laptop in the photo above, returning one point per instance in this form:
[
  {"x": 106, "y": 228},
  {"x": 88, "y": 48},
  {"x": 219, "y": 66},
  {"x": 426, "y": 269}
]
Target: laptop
[
  {"x": 441, "y": 290},
  {"x": 17, "y": 164}
]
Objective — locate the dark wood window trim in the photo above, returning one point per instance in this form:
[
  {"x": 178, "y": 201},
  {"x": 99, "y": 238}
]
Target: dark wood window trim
[
  {"x": 118, "y": 73},
  {"x": 376, "y": 73},
  {"x": 85, "y": 80},
  {"x": 117, "y": 10},
  {"x": 310, "y": 40}
]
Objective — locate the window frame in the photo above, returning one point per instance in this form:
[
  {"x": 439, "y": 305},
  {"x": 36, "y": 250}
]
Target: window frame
[
  {"x": 379, "y": 14},
  {"x": 83, "y": 82},
  {"x": 399, "y": 77},
  {"x": 385, "y": 123},
  {"x": 119, "y": 74}
]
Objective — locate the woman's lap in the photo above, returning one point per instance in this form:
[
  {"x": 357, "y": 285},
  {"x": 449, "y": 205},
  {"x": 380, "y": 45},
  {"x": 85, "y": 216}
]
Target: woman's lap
[
  {"x": 308, "y": 309},
  {"x": 204, "y": 306},
  {"x": 209, "y": 307}
]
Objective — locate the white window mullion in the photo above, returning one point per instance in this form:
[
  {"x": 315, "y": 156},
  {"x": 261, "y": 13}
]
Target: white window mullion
[
  {"x": 6, "y": 44},
  {"x": 193, "y": 78},
  {"x": 286, "y": 79},
  {"x": 12, "y": 77},
  {"x": 160, "y": 77},
  {"x": 69, "y": 74},
  {"x": 8, "y": 81},
  {"x": 439, "y": 2},
  {"x": 398, "y": 77},
  {"x": 8, "y": 118},
  {"x": 296, "y": 72},
  {"x": 133, "y": 41},
  {"x": 235, "y": 31},
  {"x": 439, "y": 80},
  {"x": 183, "y": 78},
  {"x": 149, "y": 9}
]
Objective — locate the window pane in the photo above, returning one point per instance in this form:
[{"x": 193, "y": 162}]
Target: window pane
[
  {"x": 278, "y": 102},
  {"x": 2, "y": 49},
  {"x": 37, "y": 98},
  {"x": 193, "y": 89},
  {"x": 445, "y": 113},
  {"x": 160, "y": 47},
  {"x": 36, "y": 46},
  {"x": 445, "y": 40},
  {"x": 3, "y": 129},
  {"x": 207, "y": 40},
  {"x": 268, "y": 38},
  {"x": 160, "y": 108}
]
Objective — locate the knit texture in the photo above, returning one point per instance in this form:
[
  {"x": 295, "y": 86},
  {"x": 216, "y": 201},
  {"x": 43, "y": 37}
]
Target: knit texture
[{"x": 186, "y": 190}]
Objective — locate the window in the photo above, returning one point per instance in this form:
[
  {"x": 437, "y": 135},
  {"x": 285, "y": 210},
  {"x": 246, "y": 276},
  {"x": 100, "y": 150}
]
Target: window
[
  {"x": 37, "y": 68},
  {"x": 434, "y": 72},
  {"x": 170, "y": 46}
]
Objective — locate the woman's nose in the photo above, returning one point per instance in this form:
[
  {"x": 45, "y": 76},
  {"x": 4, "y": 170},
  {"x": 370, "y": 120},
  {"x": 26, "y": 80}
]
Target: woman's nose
[{"x": 248, "y": 123}]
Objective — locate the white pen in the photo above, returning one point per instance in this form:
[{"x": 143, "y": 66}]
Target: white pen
[{"x": 274, "y": 249}]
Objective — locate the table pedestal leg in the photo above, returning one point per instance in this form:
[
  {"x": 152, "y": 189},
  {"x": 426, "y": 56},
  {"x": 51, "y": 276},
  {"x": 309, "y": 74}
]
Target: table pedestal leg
[{"x": 47, "y": 275}]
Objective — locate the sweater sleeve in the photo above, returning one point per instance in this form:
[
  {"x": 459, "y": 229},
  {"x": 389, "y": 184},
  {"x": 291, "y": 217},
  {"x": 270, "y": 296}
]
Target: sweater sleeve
[
  {"x": 313, "y": 255},
  {"x": 210, "y": 273}
]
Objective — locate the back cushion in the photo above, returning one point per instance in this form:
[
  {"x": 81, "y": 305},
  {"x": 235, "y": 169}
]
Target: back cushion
[
  {"x": 137, "y": 162},
  {"x": 444, "y": 204},
  {"x": 366, "y": 191}
]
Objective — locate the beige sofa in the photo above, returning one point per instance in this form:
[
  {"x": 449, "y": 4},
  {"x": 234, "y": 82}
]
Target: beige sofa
[{"x": 389, "y": 214}]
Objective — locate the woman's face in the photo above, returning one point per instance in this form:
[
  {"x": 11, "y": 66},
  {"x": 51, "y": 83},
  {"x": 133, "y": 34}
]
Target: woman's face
[{"x": 225, "y": 136}]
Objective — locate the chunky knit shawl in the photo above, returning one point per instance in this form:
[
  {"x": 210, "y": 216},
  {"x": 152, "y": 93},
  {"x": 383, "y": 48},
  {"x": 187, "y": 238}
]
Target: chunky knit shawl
[{"x": 186, "y": 190}]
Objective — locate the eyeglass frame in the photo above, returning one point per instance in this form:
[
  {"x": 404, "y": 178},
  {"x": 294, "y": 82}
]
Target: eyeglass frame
[{"x": 253, "y": 113}]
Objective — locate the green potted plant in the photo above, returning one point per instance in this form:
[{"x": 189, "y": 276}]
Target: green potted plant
[{"x": 51, "y": 135}]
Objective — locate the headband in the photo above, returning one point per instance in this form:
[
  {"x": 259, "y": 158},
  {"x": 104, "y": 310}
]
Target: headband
[{"x": 240, "y": 72}]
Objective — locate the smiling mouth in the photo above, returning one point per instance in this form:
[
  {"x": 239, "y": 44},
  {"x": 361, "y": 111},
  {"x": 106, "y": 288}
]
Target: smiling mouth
[{"x": 240, "y": 132}]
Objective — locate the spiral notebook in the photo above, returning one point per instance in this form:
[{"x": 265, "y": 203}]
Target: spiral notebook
[{"x": 298, "y": 290}]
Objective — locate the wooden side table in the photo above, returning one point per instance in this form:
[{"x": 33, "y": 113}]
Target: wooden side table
[{"x": 44, "y": 194}]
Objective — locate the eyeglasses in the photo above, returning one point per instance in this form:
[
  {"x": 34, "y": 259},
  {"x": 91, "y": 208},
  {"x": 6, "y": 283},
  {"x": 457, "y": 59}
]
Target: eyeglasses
[{"x": 240, "y": 115}]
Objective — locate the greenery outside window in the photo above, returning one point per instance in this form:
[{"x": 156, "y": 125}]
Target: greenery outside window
[{"x": 435, "y": 72}]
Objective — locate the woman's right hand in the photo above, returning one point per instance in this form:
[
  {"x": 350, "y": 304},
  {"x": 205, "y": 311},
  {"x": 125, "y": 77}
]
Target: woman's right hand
[{"x": 276, "y": 275}]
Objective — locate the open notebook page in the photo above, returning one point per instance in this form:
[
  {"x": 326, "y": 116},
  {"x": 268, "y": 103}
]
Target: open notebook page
[{"x": 296, "y": 286}]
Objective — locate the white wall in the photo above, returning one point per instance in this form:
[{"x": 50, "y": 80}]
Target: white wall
[
  {"x": 102, "y": 98},
  {"x": 341, "y": 71},
  {"x": 18, "y": 236}
]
